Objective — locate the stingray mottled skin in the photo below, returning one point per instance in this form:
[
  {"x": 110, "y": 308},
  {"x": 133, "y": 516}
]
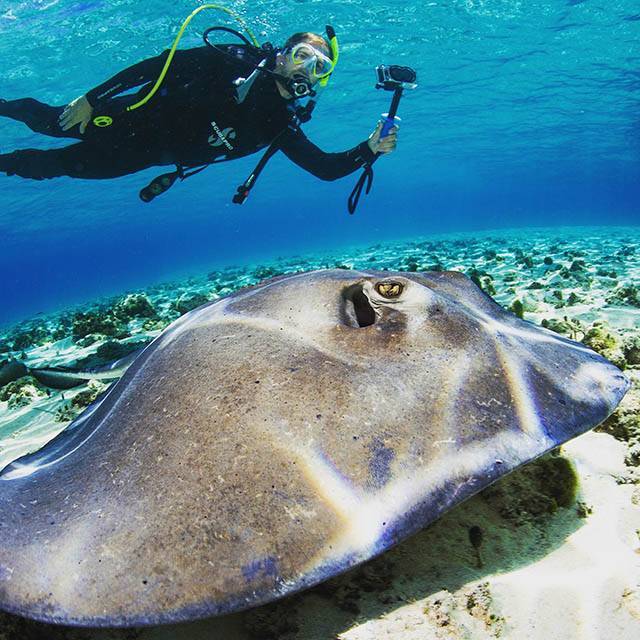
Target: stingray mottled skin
[{"x": 268, "y": 441}]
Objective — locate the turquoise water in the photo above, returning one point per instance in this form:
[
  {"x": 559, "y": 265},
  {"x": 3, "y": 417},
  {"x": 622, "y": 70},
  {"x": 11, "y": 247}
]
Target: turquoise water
[{"x": 526, "y": 114}]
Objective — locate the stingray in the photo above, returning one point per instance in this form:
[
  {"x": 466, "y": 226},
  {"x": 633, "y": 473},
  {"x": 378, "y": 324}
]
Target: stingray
[{"x": 268, "y": 441}]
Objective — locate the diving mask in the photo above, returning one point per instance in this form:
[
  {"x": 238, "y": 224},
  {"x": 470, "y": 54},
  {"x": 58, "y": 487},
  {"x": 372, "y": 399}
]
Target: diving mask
[{"x": 316, "y": 64}]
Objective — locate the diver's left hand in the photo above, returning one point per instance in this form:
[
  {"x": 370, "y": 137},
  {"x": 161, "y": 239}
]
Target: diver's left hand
[
  {"x": 78, "y": 111},
  {"x": 387, "y": 144}
]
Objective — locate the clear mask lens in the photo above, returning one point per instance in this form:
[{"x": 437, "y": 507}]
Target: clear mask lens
[{"x": 316, "y": 63}]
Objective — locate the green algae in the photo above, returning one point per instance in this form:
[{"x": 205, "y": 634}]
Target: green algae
[
  {"x": 113, "y": 350},
  {"x": 134, "y": 305},
  {"x": 631, "y": 349},
  {"x": 517, "y": 307},
  {"x": 22, "y": 392},
  {"x": 567, "y": 326},
  {"x": 626, "y": 294},
  {"x": 92, "y": 322},
  {"x": 189, "y": 301},
  {"x": 600, "y": 338},
  {"x": 29, "y": 335}
]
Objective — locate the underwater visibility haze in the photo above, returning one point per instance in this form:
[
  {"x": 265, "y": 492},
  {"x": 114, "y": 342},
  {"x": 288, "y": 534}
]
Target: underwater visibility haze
[{"x": 526, "y": 114}]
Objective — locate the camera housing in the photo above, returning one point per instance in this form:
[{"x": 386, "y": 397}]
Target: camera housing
[{"x": 393, "y": 76}]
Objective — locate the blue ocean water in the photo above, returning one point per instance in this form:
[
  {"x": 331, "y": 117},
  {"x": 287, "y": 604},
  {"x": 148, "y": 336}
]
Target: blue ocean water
[{"x": 526, "y": 115}]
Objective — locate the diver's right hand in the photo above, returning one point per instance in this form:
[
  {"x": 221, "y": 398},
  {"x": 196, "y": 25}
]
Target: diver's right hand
[{"x": 78, "y": 111}]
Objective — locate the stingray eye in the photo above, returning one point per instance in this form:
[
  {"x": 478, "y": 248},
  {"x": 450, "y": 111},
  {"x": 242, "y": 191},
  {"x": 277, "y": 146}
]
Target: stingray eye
[{"x": 389, "y": 289}]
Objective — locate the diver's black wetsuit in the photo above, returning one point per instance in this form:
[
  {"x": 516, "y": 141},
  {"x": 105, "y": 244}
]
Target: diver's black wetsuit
[{"x": 194, "y": 118}]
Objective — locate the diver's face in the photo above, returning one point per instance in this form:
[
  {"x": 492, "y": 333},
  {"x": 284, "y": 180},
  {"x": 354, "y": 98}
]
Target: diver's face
[
  {"x": 303, "y": 63},
  {"x": 306, "y": 60},
  {"x": 288, "y": 68}
]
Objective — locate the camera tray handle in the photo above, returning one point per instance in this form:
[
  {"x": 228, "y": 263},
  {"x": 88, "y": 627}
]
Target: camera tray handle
[{"x": 390, "y": 78}]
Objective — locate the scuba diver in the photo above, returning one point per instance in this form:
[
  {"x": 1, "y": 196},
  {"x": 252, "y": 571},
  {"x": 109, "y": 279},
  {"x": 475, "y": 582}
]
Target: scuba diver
[{"x": 195, "y": 107}]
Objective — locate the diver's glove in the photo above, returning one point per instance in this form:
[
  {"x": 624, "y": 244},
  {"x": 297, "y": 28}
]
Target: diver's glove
[{"x": 78, "y": 111}]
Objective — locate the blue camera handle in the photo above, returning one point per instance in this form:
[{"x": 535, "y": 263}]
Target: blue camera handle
[
  {"x": 390, "y": 118},
  {"x": 388, "y": 123}
]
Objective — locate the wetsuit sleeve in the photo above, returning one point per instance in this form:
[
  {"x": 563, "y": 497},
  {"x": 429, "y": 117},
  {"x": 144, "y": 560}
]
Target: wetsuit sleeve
[
  {"x": 326, "y": 166},
  {"x": 133, "y": 76}
]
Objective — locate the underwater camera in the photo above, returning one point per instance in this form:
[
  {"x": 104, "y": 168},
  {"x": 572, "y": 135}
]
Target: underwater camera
[{"x": 392, "y": 76}]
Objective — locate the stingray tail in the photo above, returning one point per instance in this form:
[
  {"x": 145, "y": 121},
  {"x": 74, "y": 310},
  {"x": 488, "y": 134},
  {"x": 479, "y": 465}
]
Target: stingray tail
[
  {"x": 68, "y": 377},
  {"x": 62, "y": 378}
]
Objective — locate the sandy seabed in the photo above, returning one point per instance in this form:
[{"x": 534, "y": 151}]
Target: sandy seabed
[{"x": 551, "y": 551}]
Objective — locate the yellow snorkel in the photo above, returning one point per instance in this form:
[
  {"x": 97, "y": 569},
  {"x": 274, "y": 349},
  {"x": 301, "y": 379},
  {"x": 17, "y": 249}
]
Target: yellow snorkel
[
  {"x": 335, "y": 51},
  {"x": 185, "y": 24}
]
